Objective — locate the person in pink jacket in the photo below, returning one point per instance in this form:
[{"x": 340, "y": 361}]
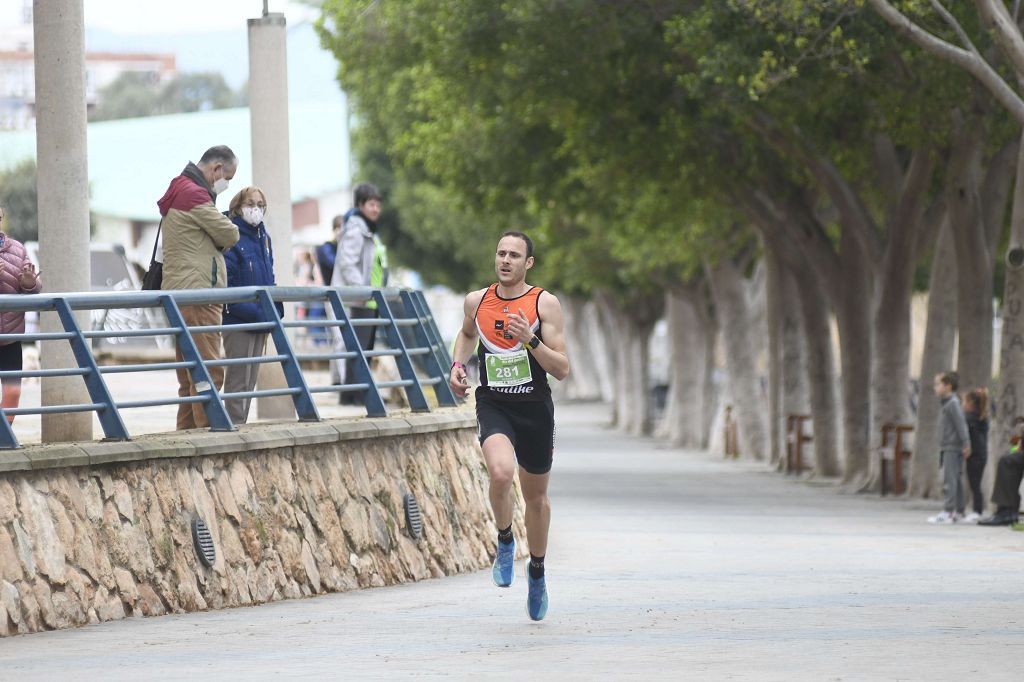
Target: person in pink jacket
[{"x": 17, "y": 276}]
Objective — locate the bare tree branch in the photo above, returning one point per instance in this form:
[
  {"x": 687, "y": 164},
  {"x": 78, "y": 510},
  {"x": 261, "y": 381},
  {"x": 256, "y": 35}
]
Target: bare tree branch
[
  {"x": 1007, "y": 33},
  {"x": 906, "y": 220},
  {"x": 947, "y": 16},
  {"x": 966, "y": 60},
  {"x": 887, "y": 167},
  {"x": 855, "y": 216},
  {"x": 995, "y": 191}
]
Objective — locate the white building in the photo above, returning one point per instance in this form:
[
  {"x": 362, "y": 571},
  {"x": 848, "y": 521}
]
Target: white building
[
  {"x": 17, "y": 80},
  {"x": 131, "y": 162}
]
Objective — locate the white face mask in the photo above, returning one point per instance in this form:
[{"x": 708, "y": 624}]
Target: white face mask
[
  {"x": 252, "y": 215},
  {"x": 220, "y": 186}
]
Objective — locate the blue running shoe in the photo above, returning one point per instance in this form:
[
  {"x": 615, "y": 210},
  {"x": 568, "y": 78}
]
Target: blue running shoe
[
  {"x": 503, "y": 570},
  {"x": 537, "y": 599}
]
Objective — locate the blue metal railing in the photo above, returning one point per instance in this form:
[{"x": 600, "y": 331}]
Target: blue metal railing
[{"x": 413, "y": 340}]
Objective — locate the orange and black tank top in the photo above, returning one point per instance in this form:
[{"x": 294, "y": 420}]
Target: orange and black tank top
[{"x": 495, "y": 340}]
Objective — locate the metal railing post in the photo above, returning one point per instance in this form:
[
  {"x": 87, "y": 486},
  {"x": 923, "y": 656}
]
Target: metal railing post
[
  {"x": 214, "y": 406},
  {"x": 371, "y": 398},
  {"x": 109, "y": 416},
  {"x": 445, "y": 358},
  {"x": 425, "y": 337},
  {"x": 8, "y": 441},
  {"x": 417, "y": 401},
  {"x": 304, "y": 407}
]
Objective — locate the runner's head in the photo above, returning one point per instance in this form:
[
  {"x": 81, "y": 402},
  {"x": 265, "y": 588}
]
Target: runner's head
[{"x": 513, "y": 258}]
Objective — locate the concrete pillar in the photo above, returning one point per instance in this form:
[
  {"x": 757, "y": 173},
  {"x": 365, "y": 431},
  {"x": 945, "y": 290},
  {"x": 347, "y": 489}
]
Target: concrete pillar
[
  {"x": 271, "y": 169},
  {"x": 63, "y": 182}
]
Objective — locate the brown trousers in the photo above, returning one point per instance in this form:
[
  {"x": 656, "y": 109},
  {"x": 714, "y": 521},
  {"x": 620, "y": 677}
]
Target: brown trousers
[{"x": 193, "y": 415}]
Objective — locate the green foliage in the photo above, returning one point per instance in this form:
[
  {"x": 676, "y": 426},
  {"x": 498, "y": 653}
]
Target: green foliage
[
  {"x": 18, "y": 199},
  {"x": 624, "y": 136},
  {"x": 134, "y": 95}
]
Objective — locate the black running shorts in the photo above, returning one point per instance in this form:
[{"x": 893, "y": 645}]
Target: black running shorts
[
  {"x": 530, "y": 425},
  {"x": 11, "y": 360}
]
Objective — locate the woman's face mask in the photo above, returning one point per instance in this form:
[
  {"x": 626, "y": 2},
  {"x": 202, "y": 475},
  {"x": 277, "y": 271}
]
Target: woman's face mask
[{"x": 252, "y": 215}]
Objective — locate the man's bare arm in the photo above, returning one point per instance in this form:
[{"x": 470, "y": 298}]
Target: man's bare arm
[
  {"x": 465, "y": 342},
  {"x": 551, "y": 353}
]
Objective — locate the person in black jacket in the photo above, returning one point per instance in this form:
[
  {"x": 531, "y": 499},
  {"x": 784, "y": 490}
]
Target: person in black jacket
[
  {"x": 1009, "y": 472},
  {"x": 976, "y": 413},
  {"x": 250, "y": 263}
]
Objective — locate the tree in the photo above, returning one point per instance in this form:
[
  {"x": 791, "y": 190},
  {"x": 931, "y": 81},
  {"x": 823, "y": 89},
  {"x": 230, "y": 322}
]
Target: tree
[
  {"x": 189, "y": 92},
  {"x": 953, "y": 43},
  {"x": 134, "y": 94},
  {"x": 130, "y": 95},
  {"x": 18, "y": 198}
]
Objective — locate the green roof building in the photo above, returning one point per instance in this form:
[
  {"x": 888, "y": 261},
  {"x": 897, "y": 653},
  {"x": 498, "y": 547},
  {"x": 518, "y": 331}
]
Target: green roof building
[{"x": 131, "y": 161}]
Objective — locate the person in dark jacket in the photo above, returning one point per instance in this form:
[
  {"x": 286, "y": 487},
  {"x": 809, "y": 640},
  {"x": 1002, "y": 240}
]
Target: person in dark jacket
[
  {"x": 976, "y": 413},
  {"x": 327, "y": 252},
  {"x": 1009, "y": 472},
  {"x": 249, "y": 263}
]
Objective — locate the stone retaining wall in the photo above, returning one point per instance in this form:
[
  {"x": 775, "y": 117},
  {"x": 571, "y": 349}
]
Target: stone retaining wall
[{"x": 101, "y": 531}]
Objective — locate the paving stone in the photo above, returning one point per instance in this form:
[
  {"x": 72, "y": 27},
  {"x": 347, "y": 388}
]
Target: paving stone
[
  {"x": 56, "y": 456},
  {"x": 313, "y": 433},
  {"x": 113, "y": 452},
  {"x": 356, "y": 429}
]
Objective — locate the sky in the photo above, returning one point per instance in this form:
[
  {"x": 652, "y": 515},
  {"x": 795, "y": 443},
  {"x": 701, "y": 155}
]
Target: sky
[
  {"x": 204, "y": 35},
  {"x": 183, "y": 16},
  {"x": 161, "y": 17}
]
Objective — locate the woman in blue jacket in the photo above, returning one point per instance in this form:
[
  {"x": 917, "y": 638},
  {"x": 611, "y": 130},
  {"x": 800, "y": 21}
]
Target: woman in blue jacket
[{"x": 250, "y": 263}]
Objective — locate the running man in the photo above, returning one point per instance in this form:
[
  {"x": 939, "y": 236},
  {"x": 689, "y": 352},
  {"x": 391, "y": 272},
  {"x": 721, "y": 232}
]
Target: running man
[{"x": 519, "y": 328}]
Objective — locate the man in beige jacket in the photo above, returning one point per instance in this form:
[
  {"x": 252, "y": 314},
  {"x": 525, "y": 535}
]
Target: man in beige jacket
[{"x": 194, "y": 236}]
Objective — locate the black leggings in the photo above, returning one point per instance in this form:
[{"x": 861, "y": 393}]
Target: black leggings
[{"x": 975, "y": 468}]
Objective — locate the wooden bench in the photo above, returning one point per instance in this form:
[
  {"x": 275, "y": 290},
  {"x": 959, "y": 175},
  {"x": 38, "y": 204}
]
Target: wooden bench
[
  {"x": 732, "y": 444},
  {"x": 796, "y": 436},
  {"x": 894, "y": 449}
]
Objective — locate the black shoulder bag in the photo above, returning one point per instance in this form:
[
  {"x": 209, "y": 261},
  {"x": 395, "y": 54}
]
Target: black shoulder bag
[{"x": 154, "y": 277}]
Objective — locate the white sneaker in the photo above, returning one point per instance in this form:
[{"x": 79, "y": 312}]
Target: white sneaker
[
  {"x": 942, "y": 518},
  {"x": 972, "y": 517}
]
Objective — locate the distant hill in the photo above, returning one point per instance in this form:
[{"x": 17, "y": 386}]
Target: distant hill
[{"x": 311, "y": 70}]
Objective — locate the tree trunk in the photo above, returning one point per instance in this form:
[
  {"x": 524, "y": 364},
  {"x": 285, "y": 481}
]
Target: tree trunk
[
  {"x": 890, "y": 373},
  {"x": 939, "y": 337},
  {"x": 794, "y": 353},
  {"x": 777, "y": 375},
  {"x": 974, "y": 262},
  {"x": 1010, "y": 388},
  {"x": 821, "y": 373},
  {"x": 853, "y": 317},
  {"x": 597, "y": 329},
  {"x": 713, "y": 392},
  {"x": 633, "y": 322},
  {"x": 845, "y": 278},
  {"x": 688, "y": 393},
  {"x": 732, "y": 309},
  {"x": 582, "y": 382}
]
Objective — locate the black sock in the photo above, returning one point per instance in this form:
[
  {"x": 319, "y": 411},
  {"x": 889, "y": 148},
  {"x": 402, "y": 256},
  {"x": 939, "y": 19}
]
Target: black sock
[
  {"x": 536, "y": 567},
  {"x": 505, "y": 536}
]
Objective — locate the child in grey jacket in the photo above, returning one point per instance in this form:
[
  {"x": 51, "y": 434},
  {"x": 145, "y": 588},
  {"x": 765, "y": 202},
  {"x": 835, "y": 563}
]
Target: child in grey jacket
[{"x": 954, "y": 448}]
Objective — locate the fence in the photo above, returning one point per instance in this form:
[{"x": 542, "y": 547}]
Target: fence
[{"x": 413, "y": 340}]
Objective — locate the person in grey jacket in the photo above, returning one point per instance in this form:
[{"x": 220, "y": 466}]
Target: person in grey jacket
[
  {"x": 361, "y": 261},
  {"x": 954, "y": 448}
]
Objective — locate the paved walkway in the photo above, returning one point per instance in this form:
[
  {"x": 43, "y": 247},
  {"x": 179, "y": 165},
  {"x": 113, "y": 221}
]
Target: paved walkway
[{"x": 664, "y": 564}]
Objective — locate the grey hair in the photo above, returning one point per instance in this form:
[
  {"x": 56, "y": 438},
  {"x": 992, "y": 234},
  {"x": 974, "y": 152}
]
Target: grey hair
[{"x": 219, "y": 154}]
